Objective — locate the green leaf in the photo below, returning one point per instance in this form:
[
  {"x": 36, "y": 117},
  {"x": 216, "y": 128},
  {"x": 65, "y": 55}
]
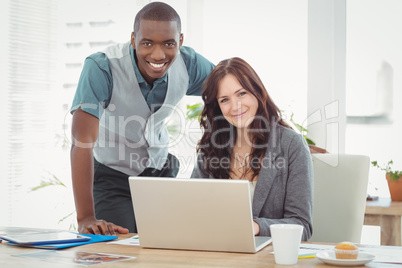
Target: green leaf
[
  {"x": 299, "y": 127},
  {"x": 65, "y": 217},
  {"x": 393, "y": 174},
  {"x": 309, "y": 141},
  {"x": 172, "y": 129},
  {"x": 52, "y": 181},
  {"x": 194, "y": 111}
]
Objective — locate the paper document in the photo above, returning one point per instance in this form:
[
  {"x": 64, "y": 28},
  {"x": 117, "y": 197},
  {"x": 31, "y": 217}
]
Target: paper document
[
  {"x": 312, "y": 249},
  {"x": 132, "y": 241},
  {"x": 386, "y": 254}
]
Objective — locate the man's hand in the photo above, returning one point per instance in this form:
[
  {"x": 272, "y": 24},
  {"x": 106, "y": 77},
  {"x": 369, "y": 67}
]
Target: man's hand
[{"x": 99, "y": 227}]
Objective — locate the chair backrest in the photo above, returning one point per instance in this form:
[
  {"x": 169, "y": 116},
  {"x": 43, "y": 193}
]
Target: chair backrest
[{"x": 340, "y": 190}]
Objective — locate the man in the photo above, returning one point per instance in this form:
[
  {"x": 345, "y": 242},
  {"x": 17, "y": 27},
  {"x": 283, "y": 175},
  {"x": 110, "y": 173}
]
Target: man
[{"x": 123, "y": 96}]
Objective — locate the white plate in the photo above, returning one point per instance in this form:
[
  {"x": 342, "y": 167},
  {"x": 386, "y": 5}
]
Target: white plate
[{"x": 330, "y": 258}]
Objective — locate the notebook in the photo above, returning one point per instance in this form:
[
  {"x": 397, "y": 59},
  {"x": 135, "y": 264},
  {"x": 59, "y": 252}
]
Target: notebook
[
  {"x": 61, "y": 245},
  {"x": 195, "y": 214},
  {"x": 43, "y": 238}
]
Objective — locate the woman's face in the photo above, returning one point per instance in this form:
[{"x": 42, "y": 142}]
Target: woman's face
[{"x": 238, "y": 105}]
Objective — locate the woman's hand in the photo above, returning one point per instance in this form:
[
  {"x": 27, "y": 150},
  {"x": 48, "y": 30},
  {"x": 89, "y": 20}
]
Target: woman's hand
[
  {"x": 256, "y": 228},
  {"x": 99, "y": 227}
]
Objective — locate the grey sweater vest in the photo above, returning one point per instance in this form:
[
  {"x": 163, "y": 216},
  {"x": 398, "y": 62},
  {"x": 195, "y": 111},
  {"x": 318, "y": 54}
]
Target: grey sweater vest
[{"x": 131, "y": 138}]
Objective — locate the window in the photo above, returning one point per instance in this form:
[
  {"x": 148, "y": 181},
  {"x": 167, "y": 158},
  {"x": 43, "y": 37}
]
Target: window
[{"x": 30, "y": 112}]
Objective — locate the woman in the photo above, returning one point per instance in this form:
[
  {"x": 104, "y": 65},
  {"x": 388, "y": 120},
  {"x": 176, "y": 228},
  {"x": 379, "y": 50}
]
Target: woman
[{"x": 245, "y": 138}]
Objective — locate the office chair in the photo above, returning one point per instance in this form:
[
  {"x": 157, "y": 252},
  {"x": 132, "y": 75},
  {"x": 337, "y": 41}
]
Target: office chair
[{"x": 340, "y": 190}]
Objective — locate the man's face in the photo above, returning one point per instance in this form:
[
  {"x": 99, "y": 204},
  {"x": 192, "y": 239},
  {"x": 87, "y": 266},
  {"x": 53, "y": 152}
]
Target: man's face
[{"x": 157, "y": 44}]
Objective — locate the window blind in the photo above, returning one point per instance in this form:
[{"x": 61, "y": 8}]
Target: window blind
[
  {"x": 30, "y": 82},
  {"x": 44, "y": 46}
]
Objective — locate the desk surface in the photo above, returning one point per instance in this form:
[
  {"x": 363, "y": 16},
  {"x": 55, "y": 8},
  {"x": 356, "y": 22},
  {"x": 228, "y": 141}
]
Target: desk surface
[
  {"x": 384, "y": 206},
  {"x": 161, "y": 258},
  {"x": 386, "y": 214}
]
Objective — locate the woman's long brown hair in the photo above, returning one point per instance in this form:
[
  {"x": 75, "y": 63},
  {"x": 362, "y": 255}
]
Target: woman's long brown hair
[{"x": 219, "y": 135}]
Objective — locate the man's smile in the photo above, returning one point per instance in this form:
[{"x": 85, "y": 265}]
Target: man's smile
[{"x": 157, "y": 66}]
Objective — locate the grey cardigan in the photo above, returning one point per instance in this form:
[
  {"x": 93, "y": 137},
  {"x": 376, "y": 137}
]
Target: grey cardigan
[{"x": 284, "y": 189}]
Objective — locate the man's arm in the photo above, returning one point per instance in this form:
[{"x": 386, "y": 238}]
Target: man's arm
[{"x": 84, "y": 132}]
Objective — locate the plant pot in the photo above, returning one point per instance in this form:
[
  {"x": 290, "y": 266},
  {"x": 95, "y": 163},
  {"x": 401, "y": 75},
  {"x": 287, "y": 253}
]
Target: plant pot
[{"x": 395, "y": 188}]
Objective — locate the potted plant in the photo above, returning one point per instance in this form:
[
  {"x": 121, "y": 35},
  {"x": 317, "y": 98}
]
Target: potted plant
[{"x": 393, "y": 178}]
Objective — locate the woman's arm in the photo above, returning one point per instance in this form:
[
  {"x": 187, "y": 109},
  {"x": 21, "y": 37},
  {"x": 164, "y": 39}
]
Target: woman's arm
[{"x": 298, "y": 193}]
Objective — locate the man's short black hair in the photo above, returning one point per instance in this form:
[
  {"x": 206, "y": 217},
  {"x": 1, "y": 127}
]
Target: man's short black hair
[{"x": 157, "y": 11}]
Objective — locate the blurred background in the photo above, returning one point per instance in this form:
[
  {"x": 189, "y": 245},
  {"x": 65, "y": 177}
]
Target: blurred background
[{"x": 354, "y": 86}]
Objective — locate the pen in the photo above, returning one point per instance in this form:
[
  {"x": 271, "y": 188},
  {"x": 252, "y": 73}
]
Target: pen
[{"x": 308, "y": 256}]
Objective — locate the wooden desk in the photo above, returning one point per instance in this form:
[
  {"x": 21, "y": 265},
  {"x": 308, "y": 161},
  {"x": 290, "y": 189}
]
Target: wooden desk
[
  {"x": 161, "y": 258},
  {"x": 386, "y": 214}
]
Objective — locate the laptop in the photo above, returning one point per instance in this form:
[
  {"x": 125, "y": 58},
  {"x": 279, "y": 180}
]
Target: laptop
[{"x": 195, "y": 214}]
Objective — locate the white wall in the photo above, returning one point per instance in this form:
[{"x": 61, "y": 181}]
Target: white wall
[
  {"x": 270, "y": 35},
  {"x": 374, "y": 84},
  {"x": 326, "y": 73}
]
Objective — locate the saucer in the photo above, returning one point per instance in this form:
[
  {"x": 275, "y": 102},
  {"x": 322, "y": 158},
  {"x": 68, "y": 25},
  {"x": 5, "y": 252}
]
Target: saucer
[{"x": 330, "y": 258}]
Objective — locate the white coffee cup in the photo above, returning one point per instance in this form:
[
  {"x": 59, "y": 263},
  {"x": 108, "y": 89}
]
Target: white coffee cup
[{"x": 286, "y": 241}]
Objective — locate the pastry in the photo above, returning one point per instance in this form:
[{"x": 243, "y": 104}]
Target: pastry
[{"x": 346, "y": 250}]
